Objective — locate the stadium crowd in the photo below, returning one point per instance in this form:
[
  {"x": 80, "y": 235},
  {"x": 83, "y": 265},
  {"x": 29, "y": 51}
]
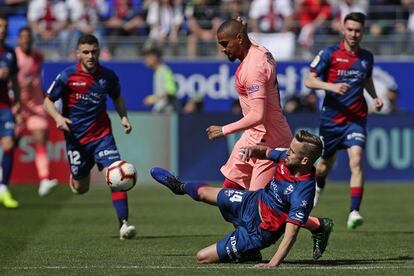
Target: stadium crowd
[{"x": 185, "y": 27}]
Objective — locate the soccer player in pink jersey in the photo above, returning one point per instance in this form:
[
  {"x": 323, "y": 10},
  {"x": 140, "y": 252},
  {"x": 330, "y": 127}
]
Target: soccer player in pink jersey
[
  {"x": 33, "y": 115},
  {"x": 263, "y": 122}
]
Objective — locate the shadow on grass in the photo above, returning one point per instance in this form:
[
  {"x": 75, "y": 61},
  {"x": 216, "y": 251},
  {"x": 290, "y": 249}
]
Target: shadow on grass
[
  {"x": 342, "y": 262},
  {"x": 170, "y": 237}
]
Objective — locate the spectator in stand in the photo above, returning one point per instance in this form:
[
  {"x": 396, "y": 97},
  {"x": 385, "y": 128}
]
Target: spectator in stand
[
  {"x": 233, "y": 8},
  {"x": 125, "y": 18},
  {"x": 409, "y": 4},
  {"x": 303, "y": 103},
  {"x": 387, "y": 17},
  {"x": 313, "y": 18},
  {"x": 49, "y": 21},
  {"x": 165, "y": 18},
  {"x": 12, "y": 7},
  {"x": 203, "y": 22},
  {"x": 271, "y": 16},
  {"x": 84, "y": 19},
  {"x": 343, "y": 8}
]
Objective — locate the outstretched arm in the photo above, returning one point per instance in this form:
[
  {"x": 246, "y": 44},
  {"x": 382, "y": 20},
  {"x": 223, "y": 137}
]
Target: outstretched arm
[
  {"x": 120, "y": 107},
  {"x": 260, "y": 152},
  {"x": 286, "y": 244},
  {"x": 313, "y": 82}
]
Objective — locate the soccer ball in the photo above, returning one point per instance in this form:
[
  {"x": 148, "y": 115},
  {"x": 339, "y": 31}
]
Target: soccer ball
[{"x": 121, "y": 176}]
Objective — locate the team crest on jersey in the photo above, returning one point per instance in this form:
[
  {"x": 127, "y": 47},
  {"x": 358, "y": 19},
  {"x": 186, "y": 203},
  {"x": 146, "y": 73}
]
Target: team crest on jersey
[
  {"x": 102, "y": 82},
  {"x": 289, "y": 189},
  {"x": 229, "y": 193}
]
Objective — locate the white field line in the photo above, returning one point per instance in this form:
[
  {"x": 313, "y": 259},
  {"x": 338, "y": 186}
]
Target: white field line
[{"x": 206, "y": 267}]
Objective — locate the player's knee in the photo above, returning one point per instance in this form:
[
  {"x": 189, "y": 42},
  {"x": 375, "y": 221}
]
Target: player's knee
[{"x": 82, "y": 189}]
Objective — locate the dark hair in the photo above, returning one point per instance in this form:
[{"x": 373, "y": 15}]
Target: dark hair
[
  {"x": 153, "y": 51},
  {"x": 232, "y": 27},
  {"x": 25, "y": 29},
  {"x": 356, "y": 16},
  {"x": 4, "y": 15},
  {"x": 312, "y": 144},
  {"x": 88, "y": 39}
]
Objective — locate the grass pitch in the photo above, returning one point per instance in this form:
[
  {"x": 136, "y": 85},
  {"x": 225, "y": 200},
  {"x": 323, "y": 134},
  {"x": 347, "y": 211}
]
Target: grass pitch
[{"x": 64, "y": 234}]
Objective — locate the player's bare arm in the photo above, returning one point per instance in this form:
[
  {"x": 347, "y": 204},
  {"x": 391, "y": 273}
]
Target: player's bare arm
[
  {"x": 286, "y": 244},
  {"x": 62, "y": 123},
  {"x": 260, "y": 152},
  {"x": 313, "y": 82},
  {"x": 214, "y": 132},
  {"x": 120, "y": 107},
  {"x": 369, "y": 86}
]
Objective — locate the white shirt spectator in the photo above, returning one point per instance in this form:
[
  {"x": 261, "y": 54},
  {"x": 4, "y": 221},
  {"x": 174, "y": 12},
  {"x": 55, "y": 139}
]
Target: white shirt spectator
[
  {"x": 261, "y": 10},
  {"x": 162, "y": 17},
  {"x": 47, "y": 16}
]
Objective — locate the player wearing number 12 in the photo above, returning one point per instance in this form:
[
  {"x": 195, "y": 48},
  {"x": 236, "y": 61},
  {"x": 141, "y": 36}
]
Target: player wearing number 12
[{"x": 83, "y": 89}]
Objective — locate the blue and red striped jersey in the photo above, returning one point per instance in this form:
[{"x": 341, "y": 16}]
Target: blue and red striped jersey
[
  {"x": 287, "y": 198},
  {"x": 337, "y": 65},
  {"x": 84, "y": 100},
  {"x": 8, "y": 61}
]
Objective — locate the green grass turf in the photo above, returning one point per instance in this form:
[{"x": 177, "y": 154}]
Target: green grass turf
[{"x": 63, "y": 234}]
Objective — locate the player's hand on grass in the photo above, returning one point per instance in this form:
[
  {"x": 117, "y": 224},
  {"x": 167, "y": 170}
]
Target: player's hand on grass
[
  {"x": 126, "y": 124},
  {"x": 264, "y": 265},
  {"x": 214, "y": 132},
  {"x": 340, "y": 88},
  {"x": 378, "y": 104},
  {"x": 63, "y": 123}
]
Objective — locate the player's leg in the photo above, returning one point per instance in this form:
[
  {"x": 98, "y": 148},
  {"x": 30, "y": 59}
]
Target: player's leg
[
  {"x": 105, "y": 153},
  {"x": 39, "y": 136},
  {"x": 262, "y": 174},
  {"x": 199, "y": 191},
  {"x": 80, "y": 184},
  {"x": 7, "y": 144},
  {"x": 238, "y": 173},
  {"x": 355, "y": 154}
]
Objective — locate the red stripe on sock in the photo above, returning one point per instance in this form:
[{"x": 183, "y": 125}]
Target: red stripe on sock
[
  {"x": 119, "y": 195},
  {"x": 357, "y": 191}
]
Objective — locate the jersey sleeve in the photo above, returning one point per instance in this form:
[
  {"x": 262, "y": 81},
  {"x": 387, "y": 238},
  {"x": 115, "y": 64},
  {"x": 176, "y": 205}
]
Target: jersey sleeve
[
  {"x": 57, "y": 87},
  {"x": 301, "y": 203},
  {"x": 320, "y": 63},
  {"x": 277, "y": 154},
  {"x": 115, "y": 90}
]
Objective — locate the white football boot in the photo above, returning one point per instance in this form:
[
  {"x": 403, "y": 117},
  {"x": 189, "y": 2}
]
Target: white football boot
[
  {"x": 354, "y": 220},
  {"x": 46, "y": 186},
  {"x": 127, "y": 232}
]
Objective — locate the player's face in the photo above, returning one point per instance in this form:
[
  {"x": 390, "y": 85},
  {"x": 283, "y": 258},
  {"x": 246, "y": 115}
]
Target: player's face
[
  {"x": 353, "y": 32},
  {"x": 25, "y": 41},
  {"x": 88, "y": 55},
  {"x": 294, "y": 156},
  {"x": 232, "y": 47},
  {"x": 3, "y": 29}
]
